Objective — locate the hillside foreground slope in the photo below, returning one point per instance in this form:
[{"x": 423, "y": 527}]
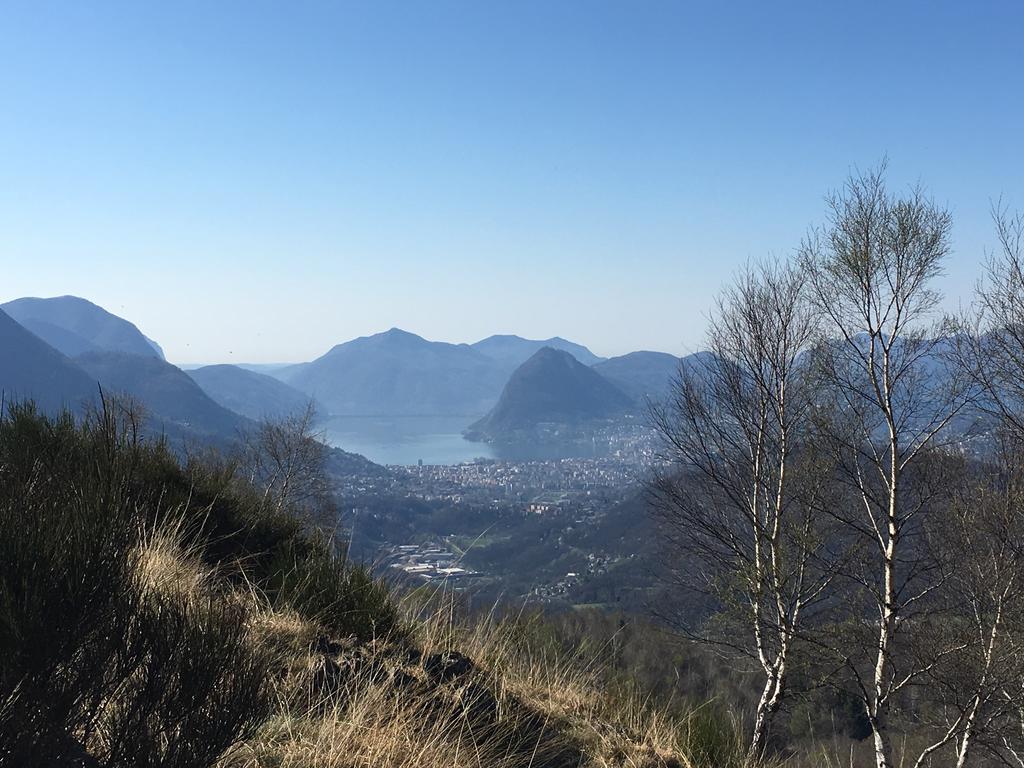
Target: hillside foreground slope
[{"x": 206, "y": 622}]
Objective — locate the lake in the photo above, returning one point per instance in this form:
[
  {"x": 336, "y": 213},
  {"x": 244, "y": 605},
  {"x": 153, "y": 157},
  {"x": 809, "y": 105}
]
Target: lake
[{"x": 434, "y": 440}]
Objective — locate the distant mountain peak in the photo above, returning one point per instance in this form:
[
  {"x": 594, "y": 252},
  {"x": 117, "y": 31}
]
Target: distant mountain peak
[
  {"x": 552, "y": 387},
  {"x": 74, "y": 325},
  {"x": 398, "y": 334},
  {"x": 511, "y": 350},
  {"x": 642, "y": 375},
  {"x": 551, "y": 353},
  {"x": 67, "y": 299},
  {"x": 399, "y": 373}
]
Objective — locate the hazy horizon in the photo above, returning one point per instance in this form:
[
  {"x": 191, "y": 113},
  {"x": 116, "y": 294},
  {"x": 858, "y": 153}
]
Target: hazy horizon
[{"x": 255, "y": 183}]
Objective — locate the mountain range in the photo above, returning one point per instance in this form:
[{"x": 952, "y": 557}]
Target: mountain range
[
  {"x": 62, "y": 350},
  {"x": 397, "y": 373}
]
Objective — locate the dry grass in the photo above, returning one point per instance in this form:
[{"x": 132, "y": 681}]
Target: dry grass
[
  {"x": 523, "y": 705},
  {"x": 612, "y": 725},
  {"x": 344, "y": 704},
  {"x": 513, "y": 709},
  {"x": 377, "y": 728},
  {"x": 517, "y": 707},
  {"x": 167, "y": 565}
]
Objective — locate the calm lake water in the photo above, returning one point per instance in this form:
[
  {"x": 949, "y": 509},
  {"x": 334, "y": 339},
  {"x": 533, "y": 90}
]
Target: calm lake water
[{"x": 435, "y": 440}]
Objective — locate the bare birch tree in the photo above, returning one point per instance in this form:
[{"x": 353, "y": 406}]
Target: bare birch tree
[
  {"x": 974, "y": 695},
  {"x": 284, "y": 457},
  {"x": 990, "y": 350},
  {"x": 870, "y": 273},
  {"x": 732, "y": 498},
  {"x": 991, "y": 340}
]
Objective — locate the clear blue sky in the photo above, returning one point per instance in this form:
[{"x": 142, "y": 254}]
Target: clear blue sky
[{"x": 256, "y": 181}]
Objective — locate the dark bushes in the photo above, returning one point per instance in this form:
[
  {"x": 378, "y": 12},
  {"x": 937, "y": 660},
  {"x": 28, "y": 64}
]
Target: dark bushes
[
  {"x": 308, "y": 576},
  {"x": 65, "y": 605},
  {"x": 99, "y": 667},
  {"x": 199, "y": 687},
  {"x": 92, "y": 662}
]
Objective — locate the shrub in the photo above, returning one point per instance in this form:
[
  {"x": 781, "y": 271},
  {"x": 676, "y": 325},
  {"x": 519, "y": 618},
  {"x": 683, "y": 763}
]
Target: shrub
[
  {"x": 65, "y": 605},
  {"x": 199, "y": 688},
  {"x": 311, "y": 578},
  {"x": 98, "y": 666}
]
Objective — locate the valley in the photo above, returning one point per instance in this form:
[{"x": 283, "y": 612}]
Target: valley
[{"x": 516, "y": 456}]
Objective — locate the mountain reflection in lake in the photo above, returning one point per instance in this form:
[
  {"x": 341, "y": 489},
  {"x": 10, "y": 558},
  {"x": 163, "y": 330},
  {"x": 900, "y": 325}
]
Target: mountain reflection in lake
[{"x": 436, "y": 440}]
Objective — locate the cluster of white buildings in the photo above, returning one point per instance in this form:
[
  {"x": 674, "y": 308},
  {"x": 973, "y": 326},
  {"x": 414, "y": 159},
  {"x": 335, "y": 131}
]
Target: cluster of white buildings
[{"x": 427, "y": 562}]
